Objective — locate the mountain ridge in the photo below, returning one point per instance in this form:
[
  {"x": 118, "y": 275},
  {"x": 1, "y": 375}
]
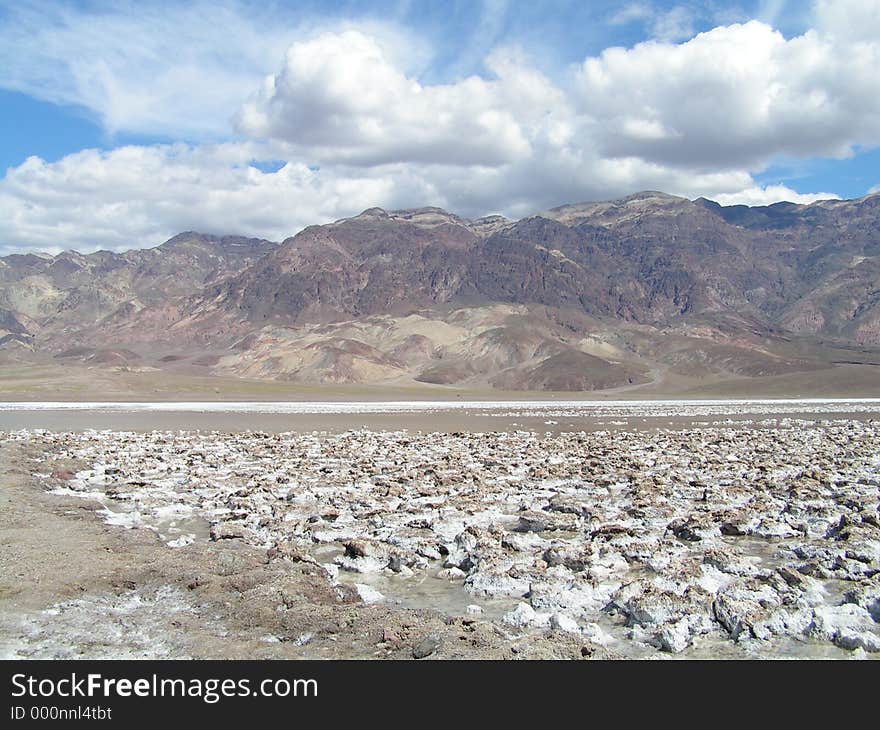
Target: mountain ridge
[{"x": 595, "y": 295}]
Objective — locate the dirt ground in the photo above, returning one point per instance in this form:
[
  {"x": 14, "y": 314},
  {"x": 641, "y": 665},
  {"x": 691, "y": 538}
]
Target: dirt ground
[
  {"x": 42, "y": 382},
  {"x": 74, "y": 587}
]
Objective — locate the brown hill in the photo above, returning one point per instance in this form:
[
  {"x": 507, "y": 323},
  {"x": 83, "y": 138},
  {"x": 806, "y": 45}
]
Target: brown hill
[{"x": 581, "y": 297}]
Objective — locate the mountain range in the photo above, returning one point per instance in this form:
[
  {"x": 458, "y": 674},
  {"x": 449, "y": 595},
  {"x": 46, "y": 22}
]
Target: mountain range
[{"x": 611, "y": 296}]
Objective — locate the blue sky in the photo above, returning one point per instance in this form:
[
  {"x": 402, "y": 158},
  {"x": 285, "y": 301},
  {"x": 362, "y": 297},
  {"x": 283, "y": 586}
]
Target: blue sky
[{"x": 123, "y": 123}]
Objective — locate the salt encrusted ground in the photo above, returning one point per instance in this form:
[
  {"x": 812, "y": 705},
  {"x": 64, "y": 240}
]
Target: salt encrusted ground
[
  {"x": 505, "y": 408},
  {"x": 721, "y": 539}
]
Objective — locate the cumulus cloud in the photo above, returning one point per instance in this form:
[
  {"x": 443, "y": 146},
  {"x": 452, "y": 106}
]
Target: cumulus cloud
[
  {"x": 341, "y": 98},
  {"x": 358, "y": 127},
  {"x": 699, "y": 113},
  {"x": 736, "y": 95},
  {"x": 770, "y": 194},
  {"x": 139, "y": 196},
  {"x": 733, "y": 97}
]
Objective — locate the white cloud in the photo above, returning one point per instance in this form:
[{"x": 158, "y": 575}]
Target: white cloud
[
  {"x": 170, "y": 69},
  {"x": 359, "y": 128},
  {"x": 770, "y": 194},
  {"x": 339, "y": 97},
  {"x": 848, "y": 21},
  {"x": 631, "y": 13},
  {"x": 672, "y": 24},
  {"x": 736, "y": 95},
  {"x": 139, "y": 196}
]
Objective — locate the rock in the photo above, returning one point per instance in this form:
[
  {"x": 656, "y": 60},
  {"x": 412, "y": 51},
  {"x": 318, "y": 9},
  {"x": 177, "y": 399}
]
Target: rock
[
  {"x": 289, "y": 551},
  {"x": 866, "y": 595},
  {"x": 596, "y": 634},
  {"x": 693, "y": 528},
  {"x": 429, "y": 552},
  {"x": 568, "y": 505},
  {"x": 848, "y": 626},
  {"x": 368, "y": 594},
  {"x": 427, "y": 646},
  {"x": 744, "y": 609},
  {"x": 523, "y": 542},
  {"x": 792, "y": 577},
  {"x": 523, "y": 615},
  {"x": 452, "y": 574},
  {"x": 786, "y": 622},
  {"x": 181, "y": 541},
  {"x": 228, "y": 531},
  {"x": 674, "y": 637},
  {"x": 574, "y": 561},
  {"x": 362, "y": 549},
  {"x": 486, "y": 583},
  {"x": 532, "y": 521},
  {"x": 348, "y": 593},
  {"x": 652, "y": 607},
  {"x": 852, "y": 639},
  {"x": 768, "y": 528},
  {"x": 473, "y": 609},
  {"x": 562, "y": 622}
]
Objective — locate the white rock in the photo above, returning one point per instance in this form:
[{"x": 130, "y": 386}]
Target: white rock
[
  {"x": 362, "y": 564},
  {"x": 788, "y": 622},
  {"x": 368, "y": 594},
  {"x": 562, "y": 622},
  {"x": 521, "y": 616},
  {"x": 852, "y": 639},
  {"x": 181, "y": 541},
  {"x": 404, "y": 572},
  {"x": 848, "y": 626},
  {"x": 496, "y": 584},
  {"x": 452, "y": 574},
  {"x": 431, "y": 553},
  {"x": 596, "y": 634},
  {"x": 674, "y": 637}
]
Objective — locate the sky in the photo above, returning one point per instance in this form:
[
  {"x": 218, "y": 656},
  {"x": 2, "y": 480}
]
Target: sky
[{"x": 124, "y": 123}]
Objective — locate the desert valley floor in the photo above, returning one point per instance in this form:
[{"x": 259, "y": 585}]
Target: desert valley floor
[{"x": 462, "y": 529}]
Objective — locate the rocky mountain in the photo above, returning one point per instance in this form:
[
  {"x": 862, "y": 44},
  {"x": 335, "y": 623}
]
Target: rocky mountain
[
  {"x": 44, "y": 299},
  {"x": 590, "y": 296}
]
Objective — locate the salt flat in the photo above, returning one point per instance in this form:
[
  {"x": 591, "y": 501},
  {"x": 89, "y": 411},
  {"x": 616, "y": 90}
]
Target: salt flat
[
  {"x": 418, "y": 415},
  {"x": 640, "y": 407},
  {"x": 750, "y": 536}
]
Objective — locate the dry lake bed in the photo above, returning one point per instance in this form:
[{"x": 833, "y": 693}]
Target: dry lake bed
[{"x": 508, "y": 529}]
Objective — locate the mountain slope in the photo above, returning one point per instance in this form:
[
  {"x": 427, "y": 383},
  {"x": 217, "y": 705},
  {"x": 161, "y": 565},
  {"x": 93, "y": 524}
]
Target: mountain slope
[
  {"x": 582, "y": 297},
  {"x": 72, "y": 288}
]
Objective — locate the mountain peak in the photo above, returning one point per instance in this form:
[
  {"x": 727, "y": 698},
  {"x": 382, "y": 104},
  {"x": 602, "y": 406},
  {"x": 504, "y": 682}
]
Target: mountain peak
[
  {"x": 428, "y": 217},
  {"x": 374, "y": 212},
  {"x": 425, "y": 217},
  {"x": 648, "y": 195},
  {"x": 617, "y": 208}
]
